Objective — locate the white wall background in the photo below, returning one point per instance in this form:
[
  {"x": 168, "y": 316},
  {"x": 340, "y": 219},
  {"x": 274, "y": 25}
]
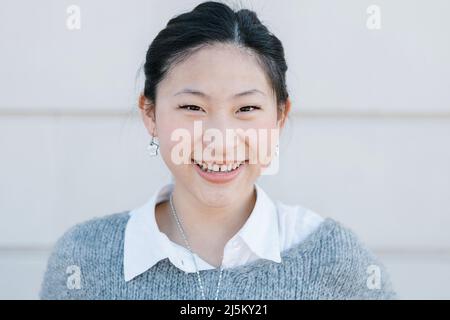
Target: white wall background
[{"x": 367, "y": 143}]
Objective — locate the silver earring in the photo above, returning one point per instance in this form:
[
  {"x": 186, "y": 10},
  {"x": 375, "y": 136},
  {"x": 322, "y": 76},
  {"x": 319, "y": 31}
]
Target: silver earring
[
  {"x": 153, "y": 147},
  {"x": 277, "y": 150}
]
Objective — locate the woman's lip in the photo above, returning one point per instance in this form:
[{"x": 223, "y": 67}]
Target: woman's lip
[{"x": 219, "y": 177}]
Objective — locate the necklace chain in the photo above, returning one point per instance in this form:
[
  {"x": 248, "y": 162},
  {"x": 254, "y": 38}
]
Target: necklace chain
[{"x": 183, "y": 234}]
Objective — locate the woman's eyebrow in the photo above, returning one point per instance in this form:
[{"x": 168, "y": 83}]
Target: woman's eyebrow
[{"x": 204, "y": 95}]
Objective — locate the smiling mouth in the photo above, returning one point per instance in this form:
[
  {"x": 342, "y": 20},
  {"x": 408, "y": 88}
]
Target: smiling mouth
[{"x": 216, "y": 168}]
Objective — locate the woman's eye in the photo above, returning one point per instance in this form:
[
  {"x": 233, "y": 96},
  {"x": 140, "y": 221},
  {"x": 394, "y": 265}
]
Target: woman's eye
[
  {"x": 248, "y": 108},
  {"x": 191, "y": 108}
]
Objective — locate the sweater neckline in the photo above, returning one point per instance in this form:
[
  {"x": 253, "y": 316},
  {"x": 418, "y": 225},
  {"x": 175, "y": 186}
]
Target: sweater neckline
[{"x": 308, "y": 244}]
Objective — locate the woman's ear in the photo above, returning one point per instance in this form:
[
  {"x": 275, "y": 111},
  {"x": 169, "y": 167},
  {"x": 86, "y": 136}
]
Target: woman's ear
[
  {"x": 147, "y": 109},
  {"x": 285, "y": 111}
]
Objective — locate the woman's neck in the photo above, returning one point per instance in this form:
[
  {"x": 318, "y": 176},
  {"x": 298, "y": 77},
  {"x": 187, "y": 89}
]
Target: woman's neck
[{"x": 207, "y": 228}]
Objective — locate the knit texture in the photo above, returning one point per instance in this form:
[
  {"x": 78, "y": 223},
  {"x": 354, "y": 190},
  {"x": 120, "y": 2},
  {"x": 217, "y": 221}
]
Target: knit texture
[{"x": 331, "y": 263}]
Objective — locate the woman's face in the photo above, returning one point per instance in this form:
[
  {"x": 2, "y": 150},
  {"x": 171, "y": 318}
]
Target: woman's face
[{"x": 202, "y": 92}]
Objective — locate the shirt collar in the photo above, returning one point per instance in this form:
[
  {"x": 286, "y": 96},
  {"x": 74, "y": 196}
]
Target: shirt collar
[
  {"x": 261, "y": 231},
  {"x": 145, "y": 244}
]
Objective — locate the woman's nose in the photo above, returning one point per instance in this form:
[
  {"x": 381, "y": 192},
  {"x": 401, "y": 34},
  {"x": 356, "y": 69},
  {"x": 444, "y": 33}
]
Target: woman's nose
[{"x": 223, "y": 136}]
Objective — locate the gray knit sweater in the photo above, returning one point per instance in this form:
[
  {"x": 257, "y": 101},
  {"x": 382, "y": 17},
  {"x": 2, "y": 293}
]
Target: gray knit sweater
[{"x": 87, "y": 263}]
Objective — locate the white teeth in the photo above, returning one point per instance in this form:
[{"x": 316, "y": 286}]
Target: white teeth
[{"x": 212, "y": 167}]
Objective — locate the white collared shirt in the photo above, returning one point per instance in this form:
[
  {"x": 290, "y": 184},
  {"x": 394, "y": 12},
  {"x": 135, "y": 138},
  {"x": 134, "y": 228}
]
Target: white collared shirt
[{"x": 271, "y": 228}]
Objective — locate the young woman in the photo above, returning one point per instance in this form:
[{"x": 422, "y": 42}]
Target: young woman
[{"x": 213, "y": 233}]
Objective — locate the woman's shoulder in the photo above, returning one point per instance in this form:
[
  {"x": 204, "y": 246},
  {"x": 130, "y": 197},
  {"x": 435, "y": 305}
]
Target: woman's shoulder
[
  {"x": 310, "y": 231},
  {"x": 85, "y": 247},
  {"x": 93, "y": 234},
  {"x": 333, "y": 252},
  {"x": 105, "y": 228},
  {"x": 349, "y": 268}
]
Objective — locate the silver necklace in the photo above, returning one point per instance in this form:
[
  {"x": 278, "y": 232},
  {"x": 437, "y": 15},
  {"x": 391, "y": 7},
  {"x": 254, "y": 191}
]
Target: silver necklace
[{"x": 180, "y": 228}]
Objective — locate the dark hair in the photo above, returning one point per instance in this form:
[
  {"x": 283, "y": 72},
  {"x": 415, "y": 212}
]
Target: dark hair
[{"x": 210, "y": 23}]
